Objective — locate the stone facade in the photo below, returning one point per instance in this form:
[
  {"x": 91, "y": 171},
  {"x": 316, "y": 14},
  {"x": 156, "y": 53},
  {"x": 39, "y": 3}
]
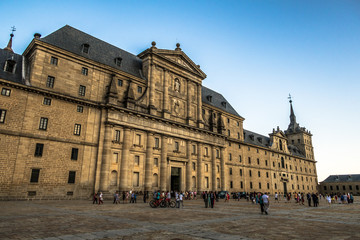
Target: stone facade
[
  {"x": 83, "y": 116},
  {"x": 335, "y": 184}
]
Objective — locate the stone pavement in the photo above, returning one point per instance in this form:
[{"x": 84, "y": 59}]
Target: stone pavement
[{"x": 80, "y": 219}]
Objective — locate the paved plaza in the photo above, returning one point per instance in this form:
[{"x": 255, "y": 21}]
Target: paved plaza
[{"x": 80, "y": 219}]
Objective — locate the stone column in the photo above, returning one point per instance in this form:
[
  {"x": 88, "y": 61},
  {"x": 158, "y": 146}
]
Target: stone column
[
  {"x": 200, "y": 168},
  {"x": 163, "y": 165},
  {"x": 125, "y": 155},
  {"x": 188, "y": 113},
  {"x": 152, "y": 89},
  {"x": 106, "y": 159},
  {"x": 223, "y": 170},
  {"x": 188, "y": 166},
  {"x": 199, "y": 102},
  {"x": 213, "y": 168},
  {"x": 166, "y": 107},
  {"x": 149, "y": 161}
]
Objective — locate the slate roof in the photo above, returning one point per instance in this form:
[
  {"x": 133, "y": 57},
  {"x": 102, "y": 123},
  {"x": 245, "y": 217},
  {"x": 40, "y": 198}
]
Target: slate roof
[
  {"x": 256, "y": 139},
  {"x": 342, "y": 178},
  {"x": 217, "y": 100},
  {"x": 72, "y": 40},
  {"x": 14, "y": 77}
]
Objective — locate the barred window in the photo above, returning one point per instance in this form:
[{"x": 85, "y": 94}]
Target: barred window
[
  {"x": 79, "y": 108},
  {"x": 77, "y": 129},
  {"x": 47, "y": 101},
  {"x": 39, "y": 150},
  {"x": 43, "y": 123},
  {"x": 54, "y": 61},
  {"x": 50, "y": 82},
  {"x": 82, "y": 90},
  {"x": 84, "y": 71},
  {"x": 157, "y": 142},
  {"x": 117, "y": 136},
  {"x": 72, "y": 175},
  {"x": 74, "y": 153},
  {"x": 5, "y": 92},
  {"x": 35, "y": 173},
  {"x": 2, "y": 115}
]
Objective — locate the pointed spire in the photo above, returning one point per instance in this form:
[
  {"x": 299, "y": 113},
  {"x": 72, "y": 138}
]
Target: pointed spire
[
  {"x": 9, "y": 46},
  {"x": 293, "y": 126}
]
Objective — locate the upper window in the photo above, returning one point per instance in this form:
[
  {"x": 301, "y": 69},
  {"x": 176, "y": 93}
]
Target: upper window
[
  {"x": 50, "y": 82},
  {"x": 176, "y": 146},
  {"x": 157, "y": 142},
  {"x": 84, "y": 71},
  {"x": 10, "y": 66},
  {"x": 120, "y": 82},
  {"x": 43, "y": 123},
  {"x": 35, "y": 175},
  {"x": 74, "y": 153},
  {"x": 139, "y": 89},
  {"x": 47, "y": 101},
  {"x": 54, "y": 61},
  {"x": 82, "y": 90},
  {"x": 79, "y": 108},
  {"x": 2, "y": 115},
  {"x": 117, "y": 136},
  {"x": 72, "y": 175},
  {"x": 85, "y": 48},
  {"x": 39, "y": 150},
  {"x": 5, "y": 92},
  {"x": 118, "y": 61},
  {"x": 77, "y": 129}
]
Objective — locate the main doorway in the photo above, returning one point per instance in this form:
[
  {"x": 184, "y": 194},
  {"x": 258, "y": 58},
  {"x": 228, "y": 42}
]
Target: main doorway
[
  {"x": 175, "y": 178},
  {"x": 285, "y": 188}
]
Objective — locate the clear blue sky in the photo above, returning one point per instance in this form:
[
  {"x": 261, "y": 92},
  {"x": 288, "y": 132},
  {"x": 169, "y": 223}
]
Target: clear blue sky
[{"x": 254, "y": 52}]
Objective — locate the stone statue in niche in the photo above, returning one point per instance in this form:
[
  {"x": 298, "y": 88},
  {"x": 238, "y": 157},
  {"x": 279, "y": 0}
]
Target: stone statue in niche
[{"x": 177, "y": 85}]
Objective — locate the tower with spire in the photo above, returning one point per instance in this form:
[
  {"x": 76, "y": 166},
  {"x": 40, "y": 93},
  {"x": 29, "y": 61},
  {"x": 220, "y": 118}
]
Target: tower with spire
[{"x": 299, "y": 136}]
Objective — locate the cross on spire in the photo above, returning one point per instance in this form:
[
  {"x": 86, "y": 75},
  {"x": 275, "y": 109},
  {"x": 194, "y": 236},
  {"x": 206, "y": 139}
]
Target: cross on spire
[
  {"x": 289, "y": 97},
  {"x": 13, "y": 29}
]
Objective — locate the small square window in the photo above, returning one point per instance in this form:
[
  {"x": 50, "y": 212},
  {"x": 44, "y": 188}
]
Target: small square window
[
  {"x": 35, "y": 173},
  {"x": 39, "y": 150},
  {"x": 5, "y": 92},
  {"x": 85, "y": 48},
  {"x": 50, "y": 82},
  {"x": 10, "y": 66},
  {"x": 72, "y": 175},
  {"x": 139, "y": 89},
  {"x": 120, "y": 82},
  {"x": 43, "y": 123},
  {"x": 54, "y": 61},
  {"x": 77, "y": 129},
  {"x": 79, "y": 109},
  {"x": 47, "y": 101},
  {"x": 2, "y": 115},
  {"x": 82, "y": 90},
  {"x": 74, "y": 153},
  {"x": 84, "y": 71}
]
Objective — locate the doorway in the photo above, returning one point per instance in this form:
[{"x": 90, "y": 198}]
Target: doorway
[
  {"x": 285, "y": 188},
  {"x": 175, "y": 179}
]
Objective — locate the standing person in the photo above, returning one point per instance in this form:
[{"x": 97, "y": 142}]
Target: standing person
[
  {"x": 123, "y": 196},
  {"x": 101, "y": 198},
  {"x": 135, "y": 195},
  {"x": 308, "y": 196},
  {"x": 302, "y": 198},
  {"x": 115, "y": 198},
  {"x": 314, "y": 198},
  {"x": 205, "y": 197},
  {"x": 266, "y": 202},
  {"x": 181, "y": 199},
  {"x": 276, "y": 197},
  {"x": 212, "y": 199},
  {"x": 145, "y": 195},
  {"x": 328, "y": 198},
  {"x": 261, "y": 202},
  {"x": 95, "y": 198},
  {"x": 177, "y": 199}
]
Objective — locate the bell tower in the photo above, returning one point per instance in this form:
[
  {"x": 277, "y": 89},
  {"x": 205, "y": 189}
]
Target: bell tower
[{"x": 299, "y": 136}]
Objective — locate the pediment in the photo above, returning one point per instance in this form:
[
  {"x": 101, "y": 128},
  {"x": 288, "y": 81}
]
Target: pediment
[{"x": 279, "y": 134}]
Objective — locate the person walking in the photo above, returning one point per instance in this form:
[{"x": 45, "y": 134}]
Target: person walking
[
  {"x": 101, "y": 198},
  {"x": 95, "y": 198},
  {"x": 261, "y": 202},
  {"x": 266, "y": 202}
]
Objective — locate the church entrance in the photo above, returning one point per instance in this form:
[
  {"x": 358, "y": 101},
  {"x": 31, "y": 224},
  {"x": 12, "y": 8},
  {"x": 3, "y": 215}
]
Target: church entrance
[
  {"x": 285, "y": 188},
  {"x": 175, "y": 179}
]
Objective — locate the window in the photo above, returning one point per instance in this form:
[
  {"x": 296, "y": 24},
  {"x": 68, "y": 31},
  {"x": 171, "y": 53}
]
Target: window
[
  {"x": 241, "y": 184},
  {"x": 157, "y": 142},
  {"x": 230, "y": 171},
  {"x": 34, "y": 175},
  {"x": 5, "y": 92},
  {"x": 120, "y": 82},
  {"x": 176, "y": 146},
  {"x": 43, "y": 123},
  {"x": 137, "y": 160},
  {"x": 71, "y": 178},
  {"x": 79, "y": 109},
  {"x": 231, "y": 184},
  {"x": 193, "y": 166},
  {"x": 259, "y": 174},
  {"x": 259, "y": 185},
  {"x": 238, "y": 134},
  {"x": 250, "y": 173},
  {"x": 240, "y": 158},
  {"x": 2, "y": 115},
  {"x": 275, "y": 186},
  {"x": 266, "y": 162},
  {"x": 10, "y": 66},
  {"x": 298, "y": 140},
  {"x": 115, "y": 158},
  {"x": 206, "y": 168},
  {"x": 274, "y": 175},
  {"x": 258, "y": 161},
  {"x": 282, "y": 162},
  {"x": 217, "y": 153},
  {"x": 84, "y": 71},
  {"x": 77, "y": 129},
  {"x": 228, "y": 132},
  {"x": 206, "y": 182},
  {"x": 268, "y": 186},
  {"x": 50, "y": 82},
  {"x": 139, "y": 89},
  {"x": 54, "y": 61},
  {"x": 82, "y": 90},
  {"x": 249, "y": 159},
  {"x": 47, "y": 101},
  {"x": 250, "y": 185},
  {"x": 240, "y": 172},
  {"x": 74, "y": 153},
  {"x": 206, "y": 151},
  {"x": 267, "y": 174},
  {"x": 218, "y": 168},
  {"x": 85, "y": 48},
  {"x": 138, "y": 139},
  {"x": 228, "y": 120},
  {"x": 118, "y": 61},
  {"x": 156, "y": 162},
  {"x": 117, "y": 136},
  {"x": 39, "y": 150},
  {"x": 230, "y": 157}
]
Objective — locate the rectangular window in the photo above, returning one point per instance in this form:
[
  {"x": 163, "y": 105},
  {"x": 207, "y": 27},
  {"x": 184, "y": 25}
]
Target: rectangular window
[
  {"x": 241, "y": 184},
  {"x": 259, "y": 185},
  {"x": 71, "y": 178},
  {"x": 47, "y": 101},
  {"x": 77, "y": 129},
  {"x": 10, "y": 66},
  {"x": 240, "y": 159},
  {"x": 193, "y": 166},
  {"x": 267, "y": 174},
  {"x": 82, "y": 90},
  {"x": 50, "y": 82},
  {"x": 238, "y": 135},
  {"x": 258, "y": 161},
  {"x": 39, "y": 150},
  {"x": 258, "y": 173},
  {"x": 120, "y": 82},
  {"x": 35, "y": 173},
  {"x": 138, "y": 139},
  {"x": 54, "y": 61},
  {"x": 115, "y": 158},
  {"x": 218, "y": 168},
  {"x": 117, "y": 136},
  {"x": 84, "y": 71},
  {"x": 156, "y": 162},
  {"x": 2, "y": 115},
  {"x": 139, "y": 89},
  {"x": 206, "y": 151},
  {"x": 230, "y": 171},
  {"x": 268, "y": 186},
  {"x": 230, "y": 157},
  {"x": 193, "y": 149},
  {"x": 79, "y": 109},
  {"x": 74, "y": 153},
  {"x": 249, "y": 160},
  {"x": 231, "y": 184},
  {"x": 274, "y": 175},
  {"x": 266, "y": 163},
  {"x": 206, "y": 168},
  {"x": 250, "y": 185},
  {"x": 176, "y": 146},
  {"x": 5, "y": 92},
  {"x": 240, "y": 172},
  {"x": 43, "y": 123},
  {"x": 250, "y": 173},
  {"x": 137, "y": 160},
  {"x": 157, "y": 142},
  {"x": 228, "y": 132},
  {"x": 206, "y": 182}
]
